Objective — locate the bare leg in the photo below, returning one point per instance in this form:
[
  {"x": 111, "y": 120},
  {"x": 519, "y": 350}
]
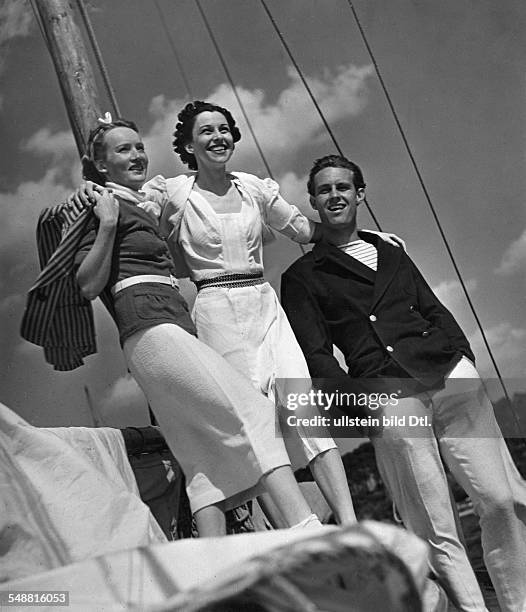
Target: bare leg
[
  {"x": 271, "y": 511},
  {"x": 286, "y": 505},
  {"x": 210, "y": 522},
  {"x": 329, "y": 474},
  {"x": 286, "y": 494}
]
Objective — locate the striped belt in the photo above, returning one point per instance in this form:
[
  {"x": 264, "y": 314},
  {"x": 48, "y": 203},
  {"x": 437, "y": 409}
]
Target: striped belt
[
  {"x": 230, "y": 281},
  {"x": 144, "y": 278}
]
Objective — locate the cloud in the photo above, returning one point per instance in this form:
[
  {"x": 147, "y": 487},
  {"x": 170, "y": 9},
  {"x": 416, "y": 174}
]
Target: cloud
[
  {"x": 508, "y": 345},
  {"x": 514, "y": 258},
  {"x": 282, "y": 127},
  {"x": 19, "y": 210},
  {"x": 294, "y": 190},
  {"x": 451, "y": 294},
  {"x": 122, "y": 405},
  {"x": 16, "y": 19},
  {"x": 59, "y": 150},
  {"x": 56, "y": 146}
]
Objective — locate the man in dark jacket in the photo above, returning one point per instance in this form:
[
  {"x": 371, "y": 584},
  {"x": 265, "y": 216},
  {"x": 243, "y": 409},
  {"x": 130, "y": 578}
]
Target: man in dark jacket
[{"x": 369, "y": 299}]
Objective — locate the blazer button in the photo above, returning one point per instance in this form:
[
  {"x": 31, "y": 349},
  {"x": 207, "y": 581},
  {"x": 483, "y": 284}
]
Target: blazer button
[
  {"x": 372, "y": 318},
  {"x": 425, "y": 334},
  {"x": 412, "y": 307},
  {"x": 389, "y": 348}
]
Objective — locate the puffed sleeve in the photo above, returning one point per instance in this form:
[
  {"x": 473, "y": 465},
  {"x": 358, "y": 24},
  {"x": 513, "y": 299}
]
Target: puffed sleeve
[
  {"x": 173, "y": 193},
  {"x": 155, "y": 191},
  {"x": 278, "y": 214}
]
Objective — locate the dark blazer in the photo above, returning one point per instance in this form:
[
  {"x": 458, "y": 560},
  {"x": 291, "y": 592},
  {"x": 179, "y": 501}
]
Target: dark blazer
[{"x": 386, "y": 323}]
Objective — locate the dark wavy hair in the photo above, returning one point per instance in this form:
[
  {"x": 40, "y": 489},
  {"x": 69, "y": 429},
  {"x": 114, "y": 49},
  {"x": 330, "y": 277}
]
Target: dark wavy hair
[
  {"x": 183, "y": 129},
  {"x": 335, "y": 161},
  {"x": 95, "y": 148}
]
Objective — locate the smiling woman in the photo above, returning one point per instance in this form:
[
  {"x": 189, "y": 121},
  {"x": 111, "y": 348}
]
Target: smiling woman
[{"x": 125, "y": 158}]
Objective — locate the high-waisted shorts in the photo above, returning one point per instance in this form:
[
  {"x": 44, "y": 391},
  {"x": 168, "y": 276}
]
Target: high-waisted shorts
[{"x": 149, "y": 304}]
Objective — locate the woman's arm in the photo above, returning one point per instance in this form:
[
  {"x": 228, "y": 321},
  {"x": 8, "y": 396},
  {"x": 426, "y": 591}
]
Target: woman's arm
[
  {"x": 94, "y": 271},
  {"x": 287, "y": 218}
]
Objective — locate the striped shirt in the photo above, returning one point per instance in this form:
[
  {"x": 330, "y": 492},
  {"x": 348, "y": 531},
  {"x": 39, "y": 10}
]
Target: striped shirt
[{"x": 365, "y": 252}]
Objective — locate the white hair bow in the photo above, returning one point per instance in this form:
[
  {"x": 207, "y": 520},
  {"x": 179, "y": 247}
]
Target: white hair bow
[{"x": 106, "y": 119}]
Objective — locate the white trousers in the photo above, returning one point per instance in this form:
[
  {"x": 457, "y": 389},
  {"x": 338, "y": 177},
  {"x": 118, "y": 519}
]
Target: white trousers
[
  {"x": 248, "y": 327},
  {"x": 464, "y": 431}
]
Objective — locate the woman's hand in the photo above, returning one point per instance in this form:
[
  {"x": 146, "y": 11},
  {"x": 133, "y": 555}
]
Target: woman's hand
[
  {"x": 84, "y": 196},
  {"x": 106, "y": 208},
  {"x": 392, "y": 239}
]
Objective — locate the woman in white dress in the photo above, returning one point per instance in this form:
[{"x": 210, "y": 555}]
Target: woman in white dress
[{"x": 215, "y": 223}]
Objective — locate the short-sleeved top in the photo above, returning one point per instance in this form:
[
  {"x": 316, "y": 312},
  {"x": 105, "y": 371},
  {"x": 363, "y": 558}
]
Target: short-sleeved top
[
  {"x": 210, "y": 244},
  {"x": 139, "y": 249}
]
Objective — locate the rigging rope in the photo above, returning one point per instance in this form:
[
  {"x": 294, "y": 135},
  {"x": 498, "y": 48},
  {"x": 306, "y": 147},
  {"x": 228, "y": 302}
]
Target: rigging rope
[
  {"x": 232, "y": 85},
  {"x": 98, "y": 57},
  {"x": 430, "y": 204},
  {"x": 312, "y": 97},
  {"x": 236, "y": 94},
  {"x": 174, "y": 50}
]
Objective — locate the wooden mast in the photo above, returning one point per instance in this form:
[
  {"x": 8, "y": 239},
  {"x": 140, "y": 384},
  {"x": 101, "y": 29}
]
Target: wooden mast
[{"x": 72, "y": 66}]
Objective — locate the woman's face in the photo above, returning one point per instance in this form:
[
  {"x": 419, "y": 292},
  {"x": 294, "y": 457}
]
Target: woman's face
[
  {"x": 212, "y": 141},
  {"x": 124, "y": 160}
]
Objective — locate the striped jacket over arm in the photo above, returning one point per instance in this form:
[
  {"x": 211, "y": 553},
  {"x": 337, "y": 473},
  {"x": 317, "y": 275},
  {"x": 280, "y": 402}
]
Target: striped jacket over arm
[{"x": 57, "y": 316}]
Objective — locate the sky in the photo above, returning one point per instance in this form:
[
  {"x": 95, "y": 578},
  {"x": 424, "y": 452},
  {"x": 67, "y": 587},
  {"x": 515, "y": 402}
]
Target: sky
[{"x": 455, "y": 73}]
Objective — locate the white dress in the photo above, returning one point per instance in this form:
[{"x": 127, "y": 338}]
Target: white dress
[{"x": 246, "y": 325}]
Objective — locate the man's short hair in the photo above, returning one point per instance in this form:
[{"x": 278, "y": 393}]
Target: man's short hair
[{"x": 335, "y": 161}]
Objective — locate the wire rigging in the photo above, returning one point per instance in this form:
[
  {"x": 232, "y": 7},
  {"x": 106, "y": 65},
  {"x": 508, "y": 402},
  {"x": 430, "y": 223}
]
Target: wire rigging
[
  {"x": 98, "y": 57},
  {"x": 312, "y": 97},
  {"x": 232, "y": 85},
  {"x": 174, "y": 51},
  {"x": 429, "y": 202},
  {"x": 236, "y": 94}
]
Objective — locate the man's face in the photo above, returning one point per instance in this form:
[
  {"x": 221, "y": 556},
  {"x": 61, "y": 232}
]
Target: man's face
[{"x": 335, "y": 197}]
